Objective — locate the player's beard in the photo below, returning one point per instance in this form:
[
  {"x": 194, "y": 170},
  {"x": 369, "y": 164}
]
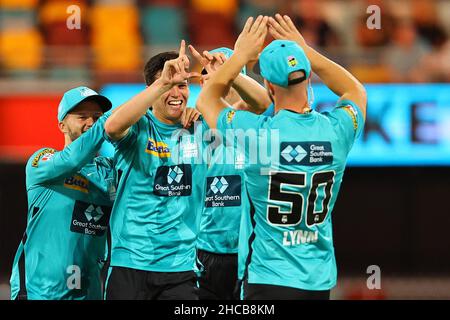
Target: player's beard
[{"x": 73, "y": 135}]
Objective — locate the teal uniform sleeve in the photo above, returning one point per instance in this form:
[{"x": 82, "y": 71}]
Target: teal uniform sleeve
[
  {"x": 128, "y": 140},
  {"x": 347, "y": 120},
  {"x": 101, "y": 174},
  {"x": 48, "y": 164}
]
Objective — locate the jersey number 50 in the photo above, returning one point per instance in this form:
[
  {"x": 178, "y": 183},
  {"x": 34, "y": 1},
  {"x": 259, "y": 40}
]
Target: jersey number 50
[{"x": 278, "y": 179}]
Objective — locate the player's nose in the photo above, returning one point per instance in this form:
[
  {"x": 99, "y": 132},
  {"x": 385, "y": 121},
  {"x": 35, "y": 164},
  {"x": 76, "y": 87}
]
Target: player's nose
[
  {"x": 89, "y": 122},
  {"x": 175, "y": 92}
]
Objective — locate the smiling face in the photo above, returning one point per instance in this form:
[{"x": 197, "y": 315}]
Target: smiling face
[
  {"x": 170, "y": 106},
  {"x": 79, "y": 120}
]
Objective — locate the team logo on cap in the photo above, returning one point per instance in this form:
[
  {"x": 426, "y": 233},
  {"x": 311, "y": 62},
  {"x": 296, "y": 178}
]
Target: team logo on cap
[
  {"x": 86, "y": 92},
  {"x": 292, "y": 61}
]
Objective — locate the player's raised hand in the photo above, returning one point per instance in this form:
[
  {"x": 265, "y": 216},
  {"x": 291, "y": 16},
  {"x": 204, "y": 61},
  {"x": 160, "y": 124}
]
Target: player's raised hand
[
  {"x": 177, "y": 70},
  {"x": 282, "y": 28},
  {"x": 209, "y": 61},
  {"x": 251, "y": 39},
  {"x": 189, "y": 116}
]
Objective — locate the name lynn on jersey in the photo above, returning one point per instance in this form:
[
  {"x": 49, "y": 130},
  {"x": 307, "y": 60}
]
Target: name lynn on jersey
[{"x": 296, "y": 237}]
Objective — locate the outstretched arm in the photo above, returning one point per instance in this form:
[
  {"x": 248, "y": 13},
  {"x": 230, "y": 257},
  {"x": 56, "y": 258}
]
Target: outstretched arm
[
  {"x": 335, "y": 77},
  {"x": 49, "y": 164},
  {"x": 174, "y": 72},
  {"x": 253, "y": 95},
  {"x": 210, "y": 101}
]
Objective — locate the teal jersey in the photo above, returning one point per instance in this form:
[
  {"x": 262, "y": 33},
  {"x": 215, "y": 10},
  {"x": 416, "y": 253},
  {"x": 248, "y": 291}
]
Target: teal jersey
[
  {"x": 155, "y": 218},
  {"x": 286, "y": 237},
  {"x": 224, "y": 201},
  {"x": 69, "y": 203}
]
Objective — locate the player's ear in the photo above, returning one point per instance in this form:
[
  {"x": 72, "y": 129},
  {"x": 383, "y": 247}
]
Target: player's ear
[{"x": 62, "y": 126}]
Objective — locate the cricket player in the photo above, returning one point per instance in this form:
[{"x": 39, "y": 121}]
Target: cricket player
[
  {"x": 286, "y": 243},
  {"x": 217, "y": 243},
  {"x": 70, "y": 195},
  {"x": 155, "y": 218}
]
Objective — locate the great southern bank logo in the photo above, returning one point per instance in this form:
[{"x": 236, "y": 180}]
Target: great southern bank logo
[
  {"x": 306, "y": 153},
  {"x": 175, "y": 174},
  {"x": 290, "y": 153},
  {"x": 219, "y": 185},
  {"x": 93, "y": 214}
]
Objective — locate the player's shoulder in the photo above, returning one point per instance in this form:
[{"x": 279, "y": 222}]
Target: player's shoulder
[
  {"x": 245, "y": 114},
  {"x": 40, "y": 155}
]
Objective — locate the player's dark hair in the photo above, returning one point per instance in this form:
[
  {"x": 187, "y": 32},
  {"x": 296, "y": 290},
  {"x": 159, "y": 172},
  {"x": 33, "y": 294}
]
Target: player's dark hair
[{"x": 156, "y": 64}]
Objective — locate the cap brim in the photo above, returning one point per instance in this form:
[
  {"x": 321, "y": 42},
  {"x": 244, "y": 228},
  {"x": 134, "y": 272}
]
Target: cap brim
[{"x": 104, "y": 103}]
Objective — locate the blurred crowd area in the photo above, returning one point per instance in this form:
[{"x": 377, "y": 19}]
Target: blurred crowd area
[{"x": 118, "y": 36}]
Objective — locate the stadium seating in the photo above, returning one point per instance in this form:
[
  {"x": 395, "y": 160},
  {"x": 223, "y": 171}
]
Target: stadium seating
[
  {"x": 170, "y": 17},
  {"x": 117, "y": 46},
  {"x": 21, "y": 49}
]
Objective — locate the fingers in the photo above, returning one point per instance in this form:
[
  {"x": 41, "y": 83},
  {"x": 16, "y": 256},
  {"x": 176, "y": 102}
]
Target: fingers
[
  {"x": 193, "y": 116},
  {"x": 189, "y": 116},
  {"x": 275, "y": 25},
  {"x": 196, "y": 116},
  {"x": 262, "y": 29},
  {"x": 281, "y": 21},
  {"x": 185, "y": 62},
  {"x": 173, "y": 64},
  {"x": 191, "y": 75},
  {"x": 275, "y": 34},
  {"x": 248, "y": 25},
  {"x": 289, "y": 22},
  {"x": 183, "y": 117},
  {"x": 219, "y": 57},
  {"x": 182, "y": 50},
  {"x": 256, "y": 25},
  {"x": 181, "y": 65},
  {"x": 208, "y": 55},
  {"x": 197, "y": 55}
]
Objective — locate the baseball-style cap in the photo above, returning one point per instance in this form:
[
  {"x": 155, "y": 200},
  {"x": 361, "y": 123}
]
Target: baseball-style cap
[
  {"x": 279, "y": 59},
  {"x": 75, "y": 96},
  {"x": 228, "y": 53}
]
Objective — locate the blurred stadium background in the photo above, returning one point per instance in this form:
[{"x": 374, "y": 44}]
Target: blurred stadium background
[{"x": 392, "y": 210}]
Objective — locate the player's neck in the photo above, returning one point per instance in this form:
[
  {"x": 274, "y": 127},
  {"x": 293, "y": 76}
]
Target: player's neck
[
  {"x": 292, "y": 106},
  {"x": 67, "y": 140},
  {"x": 163, "y": 119}
]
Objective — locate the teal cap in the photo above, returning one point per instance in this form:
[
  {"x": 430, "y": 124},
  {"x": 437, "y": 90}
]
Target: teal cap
[
  {"x": 228, "y": 53},
  {"x": 279, "y": 59},
  {"x": 75, "y": 96}
]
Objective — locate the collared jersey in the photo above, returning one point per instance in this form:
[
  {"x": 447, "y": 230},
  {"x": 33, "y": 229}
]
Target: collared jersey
[
  {"x": 225, "y": 196},
  {"x": 155, "y": 218}
]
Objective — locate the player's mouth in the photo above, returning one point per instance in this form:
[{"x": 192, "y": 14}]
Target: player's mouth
[{"x": 177, "y": 104}]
